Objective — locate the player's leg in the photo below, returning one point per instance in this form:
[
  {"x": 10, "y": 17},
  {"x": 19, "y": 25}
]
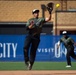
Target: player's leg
[
  {"x": 68, "y": 59},
  {"x": 34, "y": 46},
  {"x": 26, "y": 49},
  {"x": 70, "y": 52}
]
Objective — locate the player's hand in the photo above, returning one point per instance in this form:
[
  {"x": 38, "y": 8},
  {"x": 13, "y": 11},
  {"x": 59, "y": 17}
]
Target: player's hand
[{"x": 32, "y": 23}]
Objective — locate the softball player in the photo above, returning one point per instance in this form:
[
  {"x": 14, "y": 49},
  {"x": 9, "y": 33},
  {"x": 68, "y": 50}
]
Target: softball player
[
  {"x": 69, "y": 44},
  {"x": 34, "y": 27}
]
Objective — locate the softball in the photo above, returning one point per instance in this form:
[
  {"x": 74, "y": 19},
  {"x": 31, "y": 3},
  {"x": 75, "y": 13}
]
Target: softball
[{"x": 57, "y": 5}]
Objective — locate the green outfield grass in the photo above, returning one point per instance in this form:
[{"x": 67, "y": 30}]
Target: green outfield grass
[{"x": 36, "y": 66}]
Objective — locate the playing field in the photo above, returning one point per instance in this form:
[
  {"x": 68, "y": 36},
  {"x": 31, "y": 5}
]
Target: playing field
[
  {"x": 39, "y": 68},
  {"x": 36, "y": 66}
]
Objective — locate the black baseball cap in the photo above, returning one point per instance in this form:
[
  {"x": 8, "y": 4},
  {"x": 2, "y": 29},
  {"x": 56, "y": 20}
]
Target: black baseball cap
[{"x": 35, "y": 11}]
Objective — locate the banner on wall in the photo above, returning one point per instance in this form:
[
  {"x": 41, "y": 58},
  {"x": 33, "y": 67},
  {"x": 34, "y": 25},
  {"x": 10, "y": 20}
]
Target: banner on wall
[{"x": 11, "y": 48}]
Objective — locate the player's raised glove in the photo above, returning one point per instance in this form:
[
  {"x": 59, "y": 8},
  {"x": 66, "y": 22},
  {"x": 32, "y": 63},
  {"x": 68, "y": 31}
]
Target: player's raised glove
[{"x": 50, "y": 7}]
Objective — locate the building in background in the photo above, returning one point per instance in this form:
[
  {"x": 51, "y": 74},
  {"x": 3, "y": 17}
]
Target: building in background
[{"x": 14, "y": 15}]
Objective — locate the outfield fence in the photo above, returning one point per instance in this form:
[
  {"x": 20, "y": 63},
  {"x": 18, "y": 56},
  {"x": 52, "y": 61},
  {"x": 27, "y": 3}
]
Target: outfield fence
[{"x": 11, "y": 48}]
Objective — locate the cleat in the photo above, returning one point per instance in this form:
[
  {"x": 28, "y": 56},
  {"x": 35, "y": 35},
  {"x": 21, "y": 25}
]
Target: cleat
[
  {"x": 29, "y": 67},
  {"x": 27, "y": 63},
  {"x": 68, "y": 66}
]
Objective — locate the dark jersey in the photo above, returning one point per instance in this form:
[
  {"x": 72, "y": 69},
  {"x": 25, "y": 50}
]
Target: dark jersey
[
  {"x": 37, "y": 27},
  {"x": 68, "y": 41}
]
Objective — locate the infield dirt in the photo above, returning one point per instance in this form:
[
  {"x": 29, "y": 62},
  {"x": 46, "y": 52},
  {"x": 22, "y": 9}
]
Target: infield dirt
[{"x": 44, "y": 72}]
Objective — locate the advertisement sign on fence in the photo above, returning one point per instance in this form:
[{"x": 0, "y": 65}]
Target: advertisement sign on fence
[{"x": 11, "y": 48}]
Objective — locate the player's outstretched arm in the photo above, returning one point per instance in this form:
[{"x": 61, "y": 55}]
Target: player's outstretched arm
[
  {"x": 58, "y": 44},
  {"x": 48, "y": 19}
]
